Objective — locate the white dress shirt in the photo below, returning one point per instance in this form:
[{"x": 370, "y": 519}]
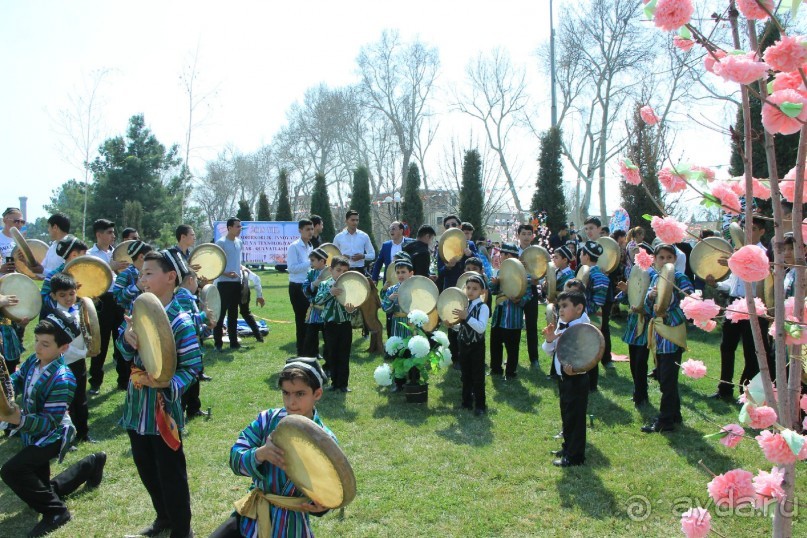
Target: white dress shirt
[
  {"x": 52, "y": 260},
  {"x": 549, "y": 347},
  {"x": 297, "y": 261},
  {"x": 355, "y": 243}
]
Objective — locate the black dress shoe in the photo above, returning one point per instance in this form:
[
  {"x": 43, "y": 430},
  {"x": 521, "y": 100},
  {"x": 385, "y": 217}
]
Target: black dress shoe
[
  {"x": 49, "y": 523},
  {"x": 205, "y": 377},
  {"x": 86, "y": 439},
  {"x": 98, "y": 471},
  {"x": 332, "y": 388},
  {"x": 565, "y": 462},
  {"x": 259, "y": 339},
  {"x": 558, "y": 436},
  {"x": 480, "y": 411},
  {"x": 94, "y": 391},
  {"x": 657, "y": 427},
  {"x": 157, "y": 527},
  {"x": 345, "y": 389},
  {"x": 721, "y": 396},
  {"x": 235, "y": 346},
  {"x": 557, "y": 453},
  {"x": 197, "y": 414}
]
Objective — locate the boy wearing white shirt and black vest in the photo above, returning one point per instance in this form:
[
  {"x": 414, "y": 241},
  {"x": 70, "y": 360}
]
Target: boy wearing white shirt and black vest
[
  {"x": 298, "y": 264},
  {"x": 471, "y": 338},
  {"x": 573, "y": 387}
]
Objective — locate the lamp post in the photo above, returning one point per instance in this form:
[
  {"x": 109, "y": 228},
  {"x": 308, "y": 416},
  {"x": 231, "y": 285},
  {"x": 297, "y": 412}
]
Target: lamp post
[{"x": 393, "y": 203}]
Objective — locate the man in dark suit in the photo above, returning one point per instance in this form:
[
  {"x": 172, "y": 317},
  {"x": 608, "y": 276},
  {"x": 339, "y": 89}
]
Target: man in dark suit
[{"x": 388, "y": 251}]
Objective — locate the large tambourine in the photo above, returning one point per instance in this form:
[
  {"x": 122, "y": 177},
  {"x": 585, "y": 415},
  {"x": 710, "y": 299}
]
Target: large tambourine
[
  {"x": 512, "y": 279},
  {"x": 314, "y": 463},
  {"x": 418, "y": 293},
  {"x": 583, "y": 274},
  {"x": 451, "y": 299},
  {"x": 638, "y": 284},
  {"x": 581, "y": 346},
  {"x": 703, "y": 260},
  {"x": 92, "y": 274},
  {"x": 737, "y": 235},
  {"x": 37, "y": 248},
  {"x": 355, "y": 288},
  {"x": 433, "y": 323},
  {"x": 331, "y": 250},
  {"x": 665, "y": 287},
  {"x": 551, "y": 315},
  {"x": 452, "y": 244},
  {"x": 7, "y": 405},
  {"x": 121, "y": 252},
  {"x": 27, "y": 293},
  {"x": 551, "y": 282},
  {"x": 464, "y": 278},
  {"x": 155, "y": 340},
  {"x": 390, "y": 277},
  {"x": 22, "y": 244},
  {"x": 90, "y": 327},
  {"x": 767, "y": 292},
  {"x": 211, "y": 260},
  {"x": 536, "y": 260},
  {"x": 611, "y": 253},
  {"x": 211, "y": 300}
]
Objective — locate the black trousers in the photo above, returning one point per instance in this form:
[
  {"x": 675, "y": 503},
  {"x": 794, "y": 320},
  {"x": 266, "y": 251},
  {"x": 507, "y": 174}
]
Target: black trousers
[
  {"x": 27, "y": 474},
  {"x": 110, "y": 318},
  {"x": 229, "y": 529},
  {"x": 79, "y": 412},
  {"x": 605, "y": 329},
  {"x": 531, "y": 325},
  {"x": 638, "y": 370},
  {"x": 453, "y": 344},
  {"x": 164, "y": 474},
  {"x": 573, "y": 392},
  {"x": 338, "y": 339},
  {"x": 230, "y": 293},
  {"x": 472, "y": 361},
  {"x": 311, "y": 340},
  {"x": 191, "y": 403},
  {"x": 670, "y": 407},
  {"x": 510, "y": 339},
  {"x": 299, "y": 303},
  {"x": 733, "y": 334}
]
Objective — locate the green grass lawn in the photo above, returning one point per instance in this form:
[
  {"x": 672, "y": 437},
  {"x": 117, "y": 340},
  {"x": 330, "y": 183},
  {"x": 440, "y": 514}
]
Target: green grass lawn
[{"x": 433, "y": 470}]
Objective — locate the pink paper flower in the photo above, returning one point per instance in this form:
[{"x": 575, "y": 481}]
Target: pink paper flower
[
  {"x": 648, "y": 116},
  {"x": 799, "y": 340},
  {"x": 732, "y": 489},
  {"x": 713, "y": 59},
  {"x": 775, "y": 448},
  {"x": 707, "y": 326},
  {"x": 644, "y": 259},
  {"x": 804, "y": 231},
  {"x": 761, "y": 417},
  {"x": 768, "y": 486},
  {"x": 787, "y": 54},
  {"x": 697, "y": 309},
  {"x": 788, "y": 81},
  {"x": 672, "y": 181},
  {"x": 738, "y": 310},
  {"x": 683, "y": 44},
  {"x": 750, "y": 263},
  {"x": 737, "y": 186},
  {"x": 803, "y": 403},
  {"x": 751, "y": 10},
  {"x": 708, "y": 173},
  {"x": 741, "y": 68},
  {"x": 693, "y": 369},
  {"x": 630, "y": 173},
  {"x": 788, "y": 188},
  {"x": 760, "y": 190},
  {"x": 668, "y": 229},
  {"x": 728, "y": 198},
  {"x": 672, "y": 14},
  {"x": 774, "y": 118},
  {"x": 733, "y": 436},
  {"x": 696, "y": 522}
]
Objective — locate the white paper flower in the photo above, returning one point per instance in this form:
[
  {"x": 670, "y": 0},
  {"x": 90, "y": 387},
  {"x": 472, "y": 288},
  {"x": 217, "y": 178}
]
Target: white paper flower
[
  {"x": 445, "y": 357},
  {"x": 419, "y": 346},
  {"x": 393, "y": 345},
  {"x": 418, "y": 318},
  {"x": 383, "y": 375},
  {"x": 440, "y": 337}
]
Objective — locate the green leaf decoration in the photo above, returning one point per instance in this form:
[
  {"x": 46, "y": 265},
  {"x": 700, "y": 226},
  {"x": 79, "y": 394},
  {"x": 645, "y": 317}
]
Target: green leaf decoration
[
  {"x": 684, "y": 33},
  {"x": 791, "y": 110},
  {"x": 647, "y": 217},
  {"x": 793, "y": 329},
  {"x": 744, "y": 418},
  {"x": 755, "y": 392},
  {"x": 709, "y": 201},
  {"x": 770, "y": 87},
  {"x": 650, "y": 9},
  {"x": 629, "y": 164},
  {"x": 719, "y": 435},
  {"x": 794, "y": 6},
  {"x": 794, "y": 440}
]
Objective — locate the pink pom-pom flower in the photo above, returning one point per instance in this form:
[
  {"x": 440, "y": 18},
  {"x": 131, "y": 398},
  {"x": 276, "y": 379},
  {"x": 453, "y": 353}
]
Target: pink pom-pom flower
[
  {"x": 751, "y": 9},
  {"x": 706, "y": 173},
  {"x": 712, "y": 60},
  {"x": 760, "y": 190},
  {"x": 787, "y": 186},
  {"x": 788, "y": 81},
  {"x": 795, "y": 333},
  {"x": 761, "y": 417},
  {"x": 644, "y": 259},
  {"x": 683, "y": 44},
  {"x": 787, "y": 54},
  {"x": 803, "y": 403},
  {"x": 768, "y": 486},
  {"x": 787, "y": 117},
  {"x": 734, "y": 434},
  {"x": 775, "y": 448},
  {"x": 738, "y": 309},
  {"x": 696, "y": 522},
  {"x": 672, "y": 14},
  {"x": 693, "y": 369},
  {"x": 672, "y": 180},
  {"x": 648, "y": 116},
  {"x": 741, "y": 68},
  {"x": 668, "y": 229},
  {"x": 728, "y": 198},
  {"x": 707, "y": 326},
  {"x": 750, "y": 263},
  {"x": 732, "y": 489},
  {"x": 699, "y": 310},
  {"x": 630, "y": 172}
]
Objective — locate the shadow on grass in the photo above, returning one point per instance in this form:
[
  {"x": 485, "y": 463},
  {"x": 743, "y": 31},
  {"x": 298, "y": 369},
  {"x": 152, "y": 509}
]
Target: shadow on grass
[
  {"x": 580, "y": 487},
  {"x": 607, "y": 411},
  {"x": 468, "y": 429},
  {"x": 513, "y": 393},
  {"x": 396, "y": 408},
  {"x": 689, "y": 443},
  {"x": 691, "y": 397}
]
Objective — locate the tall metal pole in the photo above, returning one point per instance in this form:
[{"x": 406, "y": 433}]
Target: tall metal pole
[{"x": 552, "y": 63}]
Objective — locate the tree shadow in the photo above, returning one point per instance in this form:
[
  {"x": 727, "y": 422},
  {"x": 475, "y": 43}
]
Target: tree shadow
[
  {"x": 468, "y": 429},
  {"x": 690, "y": 397},
  {"x": 513, "y": 393},
  {"x": 580, "y": 487},
  {"x": 689, "y": 442},
  {"x": 607, "y": 411}
]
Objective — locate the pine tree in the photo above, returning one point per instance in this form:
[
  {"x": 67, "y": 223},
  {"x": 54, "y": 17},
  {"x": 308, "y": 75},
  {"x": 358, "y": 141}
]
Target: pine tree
[
  {"x": 320, "y": 205},
  {"x": 264, "y": 214},
  {"x": 644, "y": 154},
  {"x": 244, "y": 214},
  {"x": 472, "y": 202},
  {"x": 360, "y": 201},
  {"x": 412, "y": 206},
  {"x": 283, "y": 205},
  {"x": 549, "y": 195}
]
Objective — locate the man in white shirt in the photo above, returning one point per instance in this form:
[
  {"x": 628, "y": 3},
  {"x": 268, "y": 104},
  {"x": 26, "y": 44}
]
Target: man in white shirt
[
  {"x": 12, "y": 216},
  {"x": 298, "y": 264},
  {"x": 354, "y": 244},
  {"x": 58, "y": 228},
  {"x": 229, "y": 285}
]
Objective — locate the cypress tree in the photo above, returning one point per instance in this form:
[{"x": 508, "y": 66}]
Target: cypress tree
[
  {"x": 360, "y": 201},
  {"x": 244, "y": 213},
  {"x": 412, "y": 206},
  {"x": 644, "y": 154},
  {"x": 549, "y": 195},
  {"x": 320, "y": 205},
  {"x": 283, "y": 206},
  {"x": 264, "y": 214},
  {"x": 472, "y": 203}
]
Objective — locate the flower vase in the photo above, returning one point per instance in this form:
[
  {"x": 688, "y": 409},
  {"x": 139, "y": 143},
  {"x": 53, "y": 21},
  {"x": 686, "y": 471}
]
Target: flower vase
[{"x": 416, "y": 392}]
